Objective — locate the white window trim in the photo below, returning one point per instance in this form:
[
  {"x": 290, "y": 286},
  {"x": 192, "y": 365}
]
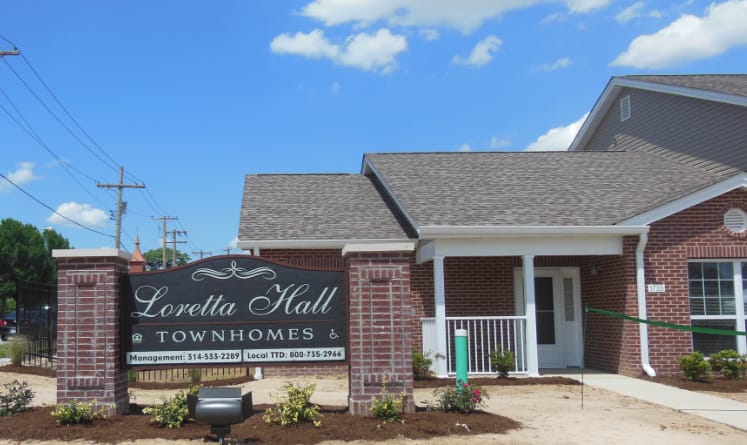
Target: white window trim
[{"x": 739, "y": 315}]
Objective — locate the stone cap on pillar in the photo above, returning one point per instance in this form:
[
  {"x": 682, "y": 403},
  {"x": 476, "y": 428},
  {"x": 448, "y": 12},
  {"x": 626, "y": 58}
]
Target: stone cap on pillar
[{"x": 91, "y": 253}]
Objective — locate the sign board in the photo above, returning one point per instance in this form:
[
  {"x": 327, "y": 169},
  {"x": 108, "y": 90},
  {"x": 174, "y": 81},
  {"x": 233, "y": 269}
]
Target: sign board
[
  {"x": 235, "y": 309},
  {"x": 657, "y": 288}
]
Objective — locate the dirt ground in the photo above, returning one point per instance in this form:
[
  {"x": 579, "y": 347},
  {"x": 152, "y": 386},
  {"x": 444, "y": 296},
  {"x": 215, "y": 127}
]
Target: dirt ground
[{"x": 548, "y": 413}]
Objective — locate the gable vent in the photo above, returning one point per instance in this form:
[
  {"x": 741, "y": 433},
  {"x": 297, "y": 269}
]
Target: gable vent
[
  {"x": 735, "y": 220},
  {"x": 624, "y": 108}
]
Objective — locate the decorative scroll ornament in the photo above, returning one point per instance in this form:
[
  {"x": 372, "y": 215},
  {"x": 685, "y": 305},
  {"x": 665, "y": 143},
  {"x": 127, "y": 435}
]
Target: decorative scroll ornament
[{"x": 233, "y": 271}]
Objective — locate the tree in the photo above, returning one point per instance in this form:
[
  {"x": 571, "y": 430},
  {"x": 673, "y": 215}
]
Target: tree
[
  {"x": 26, "y": 254},
  {"x": 154, "y": 258}
]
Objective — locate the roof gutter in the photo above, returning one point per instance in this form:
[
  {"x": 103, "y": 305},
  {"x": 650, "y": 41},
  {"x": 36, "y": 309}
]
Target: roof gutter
[
  {"x": 641, "y": 287},
  {"x": 430, "y": 232}
]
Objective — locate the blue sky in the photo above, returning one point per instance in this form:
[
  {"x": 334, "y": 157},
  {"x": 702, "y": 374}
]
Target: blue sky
[{"x": 191, "y": 96}]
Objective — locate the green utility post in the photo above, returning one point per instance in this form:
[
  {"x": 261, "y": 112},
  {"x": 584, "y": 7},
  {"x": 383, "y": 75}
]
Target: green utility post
[{"x": 461, "y": 356}]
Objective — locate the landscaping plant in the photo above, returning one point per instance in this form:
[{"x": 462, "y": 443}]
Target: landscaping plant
[
  {"x": 389, "y": 407},
  {"x": 729, "y": 363},
  {"x": 18, "y": 348},
  {"x": 173, "y": 412},
  {"x": 294, "y": 407},
  {"x": 503, "y": 362},
  {"x": 77, "y": 412},
  {"x": 465, "y": 398},
  {"x": 17, "y": 398},
  {"x": 695, "y": 367}
]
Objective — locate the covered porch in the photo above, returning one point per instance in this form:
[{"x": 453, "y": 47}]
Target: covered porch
[{"x": 519, "y": 289}]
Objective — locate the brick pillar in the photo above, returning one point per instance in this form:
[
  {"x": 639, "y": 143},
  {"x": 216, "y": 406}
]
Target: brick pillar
[
  {"x": 89, "y": 356},
  {"x": 380, "y": 328}
]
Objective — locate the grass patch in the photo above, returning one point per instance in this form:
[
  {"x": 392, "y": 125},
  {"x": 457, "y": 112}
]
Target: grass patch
[{"x": 5, "y": 350}]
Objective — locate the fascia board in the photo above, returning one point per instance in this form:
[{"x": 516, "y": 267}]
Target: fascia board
[
  {"x": 436, "y": 232},
  {"x": 610, "y": 93},
  {"x": 693, "y": 199},
  {"x": 369, "y": 167}
]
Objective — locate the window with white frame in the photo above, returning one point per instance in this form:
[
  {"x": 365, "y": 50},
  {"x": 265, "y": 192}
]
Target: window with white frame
[{"x": 718, "y": 299}]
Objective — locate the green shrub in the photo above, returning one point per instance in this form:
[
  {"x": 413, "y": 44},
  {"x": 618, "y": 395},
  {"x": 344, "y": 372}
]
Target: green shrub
[
  {"x": 503, "y": 362},
  {"x": 465, "y": 398},
  {"x": 388, "y": 407},
  {"x": 421, "y": 364},
  {"x": 294, "y": 407},
  {"x": 195, "y": 375},
  {"x": 131, "y": 375},
  {"x": 18, "y": 348},
  {"x": 17, "y": 398},
  {"x": 173, "y": 412},
  {"x": 77, "y": 412},
  {"x": 695, "y": 367},
  {"x": 729, "y": 363}
]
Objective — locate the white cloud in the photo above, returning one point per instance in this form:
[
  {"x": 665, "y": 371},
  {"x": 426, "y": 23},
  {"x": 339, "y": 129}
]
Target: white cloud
[
  {"x": 23, "y": 175},
  {"x": 82, "y": 213},
  {"x": 464, "y": 15},
  {"x": 313, "y": 45},
  {"x": 234, "y": 243},
  {"x": 375, "y": 52},
  {"x": 559, "y": 64},
  {"x": 369, "y": 52},
  {"x": 499, "y": 143},
  {"x": 429, "y": 34},
  {"x": 557, "y": 139},
  {"x": 689, "y": 38},
  {"x": 482, "y": 53},
  {"x": 335, "y": 87},
  {"x": 635, "y": 11},
  {"x": 464, "y": 148}
]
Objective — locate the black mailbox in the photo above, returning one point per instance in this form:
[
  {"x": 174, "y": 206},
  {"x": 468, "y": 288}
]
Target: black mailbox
[{"x": 220, "y": 408}]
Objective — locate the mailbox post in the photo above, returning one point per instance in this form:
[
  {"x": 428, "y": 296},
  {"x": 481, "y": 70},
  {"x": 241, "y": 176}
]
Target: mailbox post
[{"x": 220, "y": 408}]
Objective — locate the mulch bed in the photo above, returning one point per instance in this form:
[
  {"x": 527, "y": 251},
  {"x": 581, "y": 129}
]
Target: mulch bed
[
  {"x": 498, "y": 381},
  {"x": 38, "y": 424},
  {"x": 716, "y": 384}
]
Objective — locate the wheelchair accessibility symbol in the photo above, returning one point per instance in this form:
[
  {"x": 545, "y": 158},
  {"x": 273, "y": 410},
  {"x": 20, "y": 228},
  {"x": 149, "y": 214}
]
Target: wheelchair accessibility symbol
[{"x": 333, "y": 335}]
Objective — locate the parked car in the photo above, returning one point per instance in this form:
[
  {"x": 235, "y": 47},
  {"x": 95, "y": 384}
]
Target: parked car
[{"x": 8, "y": 326}]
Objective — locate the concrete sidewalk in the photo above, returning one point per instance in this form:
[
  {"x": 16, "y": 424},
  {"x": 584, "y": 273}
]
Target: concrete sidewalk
[{"x": 719, "y": 409}]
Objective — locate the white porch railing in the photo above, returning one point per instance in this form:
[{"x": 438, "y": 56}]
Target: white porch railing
[{"x": 486, "y": 334}]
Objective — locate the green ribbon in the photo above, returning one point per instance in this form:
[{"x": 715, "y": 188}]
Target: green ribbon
[{"x": 661, "y": 324}]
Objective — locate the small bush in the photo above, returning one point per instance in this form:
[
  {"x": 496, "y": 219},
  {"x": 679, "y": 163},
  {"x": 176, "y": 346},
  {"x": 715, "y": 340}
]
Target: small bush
[
  {"x": 729, "y": 363},
  {"x": 18, "y": 348},
  {"x": 77, "y": 412},
  {"x": 388, "y": 407},
  {"x": 503, "y": 362},
  {"x": 465, "y": 398},
  {"x": 17, "y": 398},
  {"x": 131, "y": 375},
  {"x": 195, "y": 375},
  {"x": 173, "y": 412},
  {"x": 421, "y": 364},
  {"x": 294, "y": 407},
  {"x": 695, "y": 367}
]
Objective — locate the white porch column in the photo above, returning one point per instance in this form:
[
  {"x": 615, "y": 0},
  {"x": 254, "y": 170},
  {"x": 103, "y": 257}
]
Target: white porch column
[
  {"x": 531, "y": 314},
  {"x": 439, "y": 291}
]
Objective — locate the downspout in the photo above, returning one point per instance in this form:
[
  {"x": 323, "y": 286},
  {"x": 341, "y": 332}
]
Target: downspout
[{"x": 641, "y": 287}]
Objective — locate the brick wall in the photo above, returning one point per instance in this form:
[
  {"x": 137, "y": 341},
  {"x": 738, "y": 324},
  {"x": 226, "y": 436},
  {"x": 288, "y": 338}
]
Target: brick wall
[
  {"x": 695, "y": 233},
  {"x": 380, "y": 328},
  {"x": 88, "y": 344}
]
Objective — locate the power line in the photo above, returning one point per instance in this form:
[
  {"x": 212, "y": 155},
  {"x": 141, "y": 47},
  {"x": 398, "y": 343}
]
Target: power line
[
  {"x": 53, "y": 210},
  {"x": 202, "y": 253}
]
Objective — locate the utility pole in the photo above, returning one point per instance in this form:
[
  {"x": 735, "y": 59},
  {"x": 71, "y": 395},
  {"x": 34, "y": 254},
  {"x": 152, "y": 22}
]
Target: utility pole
[
  {"x": 228, "y": 250},
  {"x": 121, "y": 206},
  {"x": 202, "y": 253},
  {"x": 174, "y": 233},
  {"x": 163, "y": 221}
]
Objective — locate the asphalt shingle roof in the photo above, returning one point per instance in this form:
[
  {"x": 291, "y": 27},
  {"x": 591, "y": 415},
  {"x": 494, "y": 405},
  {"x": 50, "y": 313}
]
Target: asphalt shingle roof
[
  {"x": 735, "y": 84},
  {"x": 315, "y": 207},
  {"x": 535, "y": 188}
]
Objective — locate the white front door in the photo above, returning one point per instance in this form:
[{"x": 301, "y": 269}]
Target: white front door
[{"x": 558, "y": 313}]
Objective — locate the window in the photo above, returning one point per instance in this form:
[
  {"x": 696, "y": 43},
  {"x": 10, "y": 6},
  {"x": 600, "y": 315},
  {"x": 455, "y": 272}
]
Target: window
[
  {"x": 718, "y": 291},
  {"x": 624, "y": 108}
]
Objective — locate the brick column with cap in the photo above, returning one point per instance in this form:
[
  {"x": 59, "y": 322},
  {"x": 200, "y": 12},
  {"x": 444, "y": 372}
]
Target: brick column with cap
[
  {"x": 89, "y": 356},
  {"x": 380, "y": 328}
]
